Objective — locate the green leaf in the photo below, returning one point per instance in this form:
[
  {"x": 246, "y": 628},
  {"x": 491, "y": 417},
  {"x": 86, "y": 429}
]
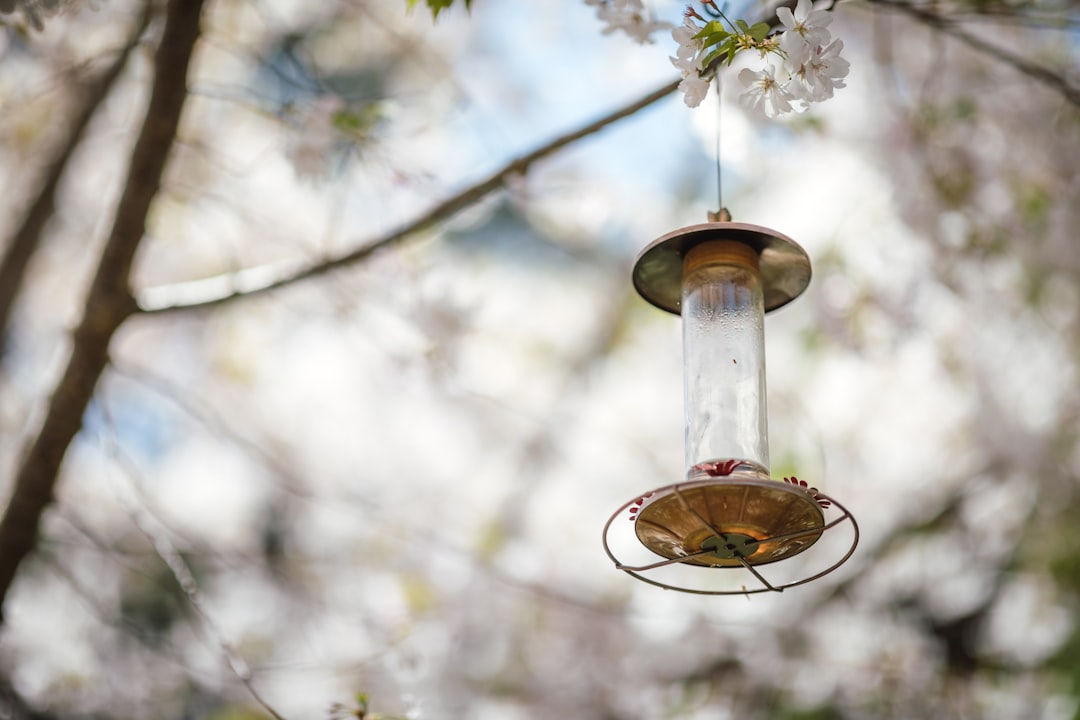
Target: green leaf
[
  {"x": 733, "y": 50},
  {"x": 743, "y": 25},
  {"x": 711, "y": 57},
  {"x": 436, "y": 6},
  {"x": 759, "y": 31},
  {"x": 726, "y": 48},
  {"x": 710, "y": 29},
  {"x": 357, "y": 123},
  {"x": 715, "y": 38}
]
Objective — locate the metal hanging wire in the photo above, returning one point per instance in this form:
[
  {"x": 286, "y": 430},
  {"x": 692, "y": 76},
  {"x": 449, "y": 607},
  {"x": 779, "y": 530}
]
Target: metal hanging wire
[{"x": 721, "y": 214}]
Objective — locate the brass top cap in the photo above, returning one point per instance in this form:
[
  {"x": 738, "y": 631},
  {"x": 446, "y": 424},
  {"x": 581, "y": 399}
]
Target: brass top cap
[
  {"x": 721, "y": 252},
  {"x": 784, "y": 265}
]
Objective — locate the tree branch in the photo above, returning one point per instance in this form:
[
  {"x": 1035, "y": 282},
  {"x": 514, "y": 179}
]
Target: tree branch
[
  {"x": 109, "y": 301},
  {"x": 224, "y": 288},
  {"x": 27, "y": 237},
  {"x": 210, "y": 292},
  {"x": 1042, "y": 74}
]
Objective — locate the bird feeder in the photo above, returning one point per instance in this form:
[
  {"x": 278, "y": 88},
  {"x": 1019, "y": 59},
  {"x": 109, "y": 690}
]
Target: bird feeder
[{"x": 728, "y": 513}]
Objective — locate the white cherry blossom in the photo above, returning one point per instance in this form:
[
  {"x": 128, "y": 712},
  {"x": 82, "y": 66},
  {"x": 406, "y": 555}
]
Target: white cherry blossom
[
  {"x": 764, "y": 92},
  {"x": 694, "y": 87},
  {"x": 806, "y": 29},
  {"x": 689, "y": 46},
  {"x": 627, "y": 16},
  {"x": 825, "y": 70},
  {"x": 809, "y": 67},
  {"x": 688, "y": 60}
]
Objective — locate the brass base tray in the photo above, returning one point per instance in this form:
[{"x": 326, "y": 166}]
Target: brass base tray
[{"x": 738, "y": 519}]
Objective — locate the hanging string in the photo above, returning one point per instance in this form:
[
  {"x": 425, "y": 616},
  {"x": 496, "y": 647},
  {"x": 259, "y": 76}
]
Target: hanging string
[
  {"x": 721, "y": 215},
  {"x": 719, "y": 116}
]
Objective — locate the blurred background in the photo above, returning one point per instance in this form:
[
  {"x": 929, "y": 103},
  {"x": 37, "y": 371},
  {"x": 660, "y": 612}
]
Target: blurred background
[{"x": 390, "y": 480}]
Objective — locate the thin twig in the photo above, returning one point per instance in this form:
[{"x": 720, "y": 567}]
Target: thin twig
[
  {"x": 153, "y": 529},
  {"x": 26, "y": 239},
  {"x": 203, "y": 415},
  {"x": 210, "y": 292},
  {"x": 225, "y": 288},
  {"x": 186, "y": 580},
  {"x": 947, "y": 26}
]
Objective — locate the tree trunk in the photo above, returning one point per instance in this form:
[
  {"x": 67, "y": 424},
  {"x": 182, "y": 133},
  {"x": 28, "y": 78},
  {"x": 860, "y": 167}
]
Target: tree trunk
[{"x": 109, "y": 301}]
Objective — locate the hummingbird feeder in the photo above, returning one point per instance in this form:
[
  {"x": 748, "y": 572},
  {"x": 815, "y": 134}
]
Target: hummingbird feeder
[{"x": 728, "y": 513}]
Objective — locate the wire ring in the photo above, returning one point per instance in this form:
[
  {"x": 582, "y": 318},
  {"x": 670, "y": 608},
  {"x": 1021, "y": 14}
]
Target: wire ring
[{"x": 636, "y": 571}]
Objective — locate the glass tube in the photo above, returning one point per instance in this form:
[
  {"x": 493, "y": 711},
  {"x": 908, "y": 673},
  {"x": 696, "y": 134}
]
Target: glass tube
[{"x": 724, "y": 357}]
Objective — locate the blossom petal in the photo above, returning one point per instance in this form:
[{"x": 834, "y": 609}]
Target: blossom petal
[{"x": 784, "y": 15}]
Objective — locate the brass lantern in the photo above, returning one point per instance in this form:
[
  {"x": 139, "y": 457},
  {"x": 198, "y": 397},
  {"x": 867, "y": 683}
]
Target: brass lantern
[{"x": 728, "y": 513}]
